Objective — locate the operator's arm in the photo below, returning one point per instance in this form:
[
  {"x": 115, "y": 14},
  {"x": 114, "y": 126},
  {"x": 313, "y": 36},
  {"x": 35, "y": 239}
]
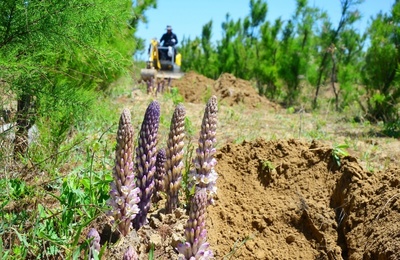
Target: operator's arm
[
  {"x": 162, "y": 38},
  {"x": 176, "y": 38}
]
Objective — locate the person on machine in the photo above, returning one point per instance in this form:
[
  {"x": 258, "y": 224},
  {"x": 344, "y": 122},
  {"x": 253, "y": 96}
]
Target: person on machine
[{"x": 169, "y": 39}]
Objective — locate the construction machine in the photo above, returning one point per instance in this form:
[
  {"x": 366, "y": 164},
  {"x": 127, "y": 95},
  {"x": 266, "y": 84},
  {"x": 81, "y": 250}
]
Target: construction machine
[{"x": 163, "y": 63}]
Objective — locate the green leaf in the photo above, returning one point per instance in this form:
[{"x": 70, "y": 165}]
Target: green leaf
[
  {"x": 22, "y": 238},
  {"x": 151, "y": 252}
]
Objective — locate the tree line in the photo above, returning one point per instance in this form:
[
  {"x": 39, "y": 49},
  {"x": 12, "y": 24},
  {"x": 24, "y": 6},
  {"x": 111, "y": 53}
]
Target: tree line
[
  {"x": 57, "y": 56},
  {"x": 281, "y": 57}
]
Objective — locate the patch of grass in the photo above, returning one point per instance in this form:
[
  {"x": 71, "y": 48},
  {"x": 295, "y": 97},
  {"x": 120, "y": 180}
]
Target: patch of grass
[
  {"x": 190, "y": 131},
  {"x": 339, "y": 151},
  {"x": 290, "y": 110},
  {"x": 316, "y": 134},
  {"x": 392, "y": 129},
  {"x": 14, "y": 189},
  {"x": 236, "y": 247},
  {"x": 174, "y": 95},
  {"x": 51, "y": 227},
  {"x": 267, "y": 165},
  {"x": 45, "y": 207},
  {"x": 120, "y": 89},
  {"x": 187, "y": 187},
  {"x": 207, "y": 94},
  {"x": 239, "y": 140}
]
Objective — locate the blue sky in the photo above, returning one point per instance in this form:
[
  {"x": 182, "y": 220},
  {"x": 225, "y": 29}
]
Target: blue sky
[{"x": 187, "y": 17}]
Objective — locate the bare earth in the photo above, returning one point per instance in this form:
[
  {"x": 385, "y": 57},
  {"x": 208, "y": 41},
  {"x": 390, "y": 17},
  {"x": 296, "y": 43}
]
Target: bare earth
[{"x": 285, "y": 198}]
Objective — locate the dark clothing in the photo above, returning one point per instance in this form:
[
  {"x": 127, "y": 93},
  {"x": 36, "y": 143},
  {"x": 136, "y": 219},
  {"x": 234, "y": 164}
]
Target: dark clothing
[{"x": 167, "y": 39}]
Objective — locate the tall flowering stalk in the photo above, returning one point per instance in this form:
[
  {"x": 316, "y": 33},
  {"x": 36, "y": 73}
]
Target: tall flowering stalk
[
  {"x": 146, "y": 153},
  {"x": 204, "y": 174},
  {"x": 94, "y": 246},
  {"x": 196, "y": 246},
  {"x": 123, "y": 194},
  {"x": 174, "y": 156},
  {"x": 160, "y": 174}
]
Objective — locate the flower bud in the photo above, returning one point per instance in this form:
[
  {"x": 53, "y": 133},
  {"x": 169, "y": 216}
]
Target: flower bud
[
  {"x": 123, "y": 193},
  {"x": 196, "y": 246},
  {"x": 174, "y": 156},
  {"x": 159, "y": 175},
  {"x": 145, "y": 160},
  {"x": 204, "y": 174}
]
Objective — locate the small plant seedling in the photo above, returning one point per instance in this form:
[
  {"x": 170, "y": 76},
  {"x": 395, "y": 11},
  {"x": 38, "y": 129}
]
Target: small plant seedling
[
  {"x": 189, "y": 127},
  {"x": 290, "y": 110},
  {"x": 339, "y": 151},
  {"x": 267, "y": 165},
  {"x": 188, "y": 188},
  {"x": 207, "y": 94},
  {"x": 237, "y": 246},
  {"x": 175, "y": 96},
  {"x": 151, "y": 252}
]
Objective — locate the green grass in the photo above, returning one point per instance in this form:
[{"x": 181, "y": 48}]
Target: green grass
[{"x": 46, "y": 203}]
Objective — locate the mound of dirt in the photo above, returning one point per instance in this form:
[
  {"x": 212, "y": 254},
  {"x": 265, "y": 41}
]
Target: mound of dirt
[
  {"x": 289, "y": 199},
  {"x": 285, "y": 199},
  {"x": 196, "y": 88}
]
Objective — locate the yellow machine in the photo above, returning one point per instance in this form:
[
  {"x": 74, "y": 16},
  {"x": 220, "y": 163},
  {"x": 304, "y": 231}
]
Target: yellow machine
[{"x": 162, "y": 63}]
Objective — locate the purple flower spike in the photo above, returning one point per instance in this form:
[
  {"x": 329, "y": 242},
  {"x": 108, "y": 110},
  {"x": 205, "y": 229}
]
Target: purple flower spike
[
  {"x": 146, "y": 154},
  {"x": 174, "y": 152},
  {"x": 204, "y": 174},
  {"x": 159, "y": 175},
  {"x": 196, "y": 246},
  {"x": 123, "y": 193},
  {"x": 94, "y": 247},
  {"x": 130, "y": 254}
]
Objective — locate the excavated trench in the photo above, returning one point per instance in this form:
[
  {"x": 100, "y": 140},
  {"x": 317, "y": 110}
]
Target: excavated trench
[{"x": 293, "y": 200}]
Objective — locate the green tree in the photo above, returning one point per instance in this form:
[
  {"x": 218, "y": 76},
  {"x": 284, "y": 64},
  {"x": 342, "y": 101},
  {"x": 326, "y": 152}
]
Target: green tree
[
  {"x": 191, "y": 51},
  {"x": 200, "y": 54},
  {"x": 139, "y": 9},
  {"x": 207, "y": 60},
  {"x": 252, "y": 29},
  {"x": 244, "y": 43},
  {"x": 329, "y": 38},
  {"x": 237, "y": 51},
  {"x": 54, "y": 54},
  {"x": 295, "y": 49},
  {"x": 346, "y": 66},
  {"x": 226, "y": 48},
  {"x": 266, "y": 70},
  {"x": 381, "y": 70}
]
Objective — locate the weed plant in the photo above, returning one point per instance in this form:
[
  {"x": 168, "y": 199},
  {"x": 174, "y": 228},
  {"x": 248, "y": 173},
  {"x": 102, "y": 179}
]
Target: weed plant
[{"x": 48, "y": 200}]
